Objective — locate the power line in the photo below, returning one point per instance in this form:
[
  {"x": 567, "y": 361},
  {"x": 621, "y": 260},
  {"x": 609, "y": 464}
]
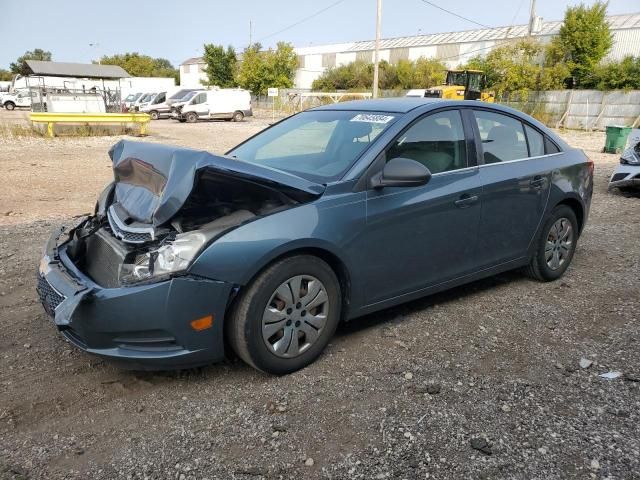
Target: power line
[
  {"x": 301, "y": 21},
  {"x": 454, "y": 14}
]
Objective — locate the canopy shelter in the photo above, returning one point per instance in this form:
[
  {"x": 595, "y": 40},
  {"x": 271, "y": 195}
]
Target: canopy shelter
[
  {"x": 77, "y": 70},
  {"x": 73, "y": 87}
]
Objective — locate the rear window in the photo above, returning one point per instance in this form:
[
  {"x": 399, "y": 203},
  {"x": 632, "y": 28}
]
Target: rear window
[{"x": 536, "y": 141}]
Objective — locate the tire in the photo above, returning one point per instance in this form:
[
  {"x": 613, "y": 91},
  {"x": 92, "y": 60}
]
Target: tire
[
  {"x": 552, "y": 256},
  {"x": 154, "y": 115},
  {"x": 191, "y": 117},
  {"x": 10, "y": 106},
  {"x": 260, "y": 302},
  {"x": 237, "y": 116}
]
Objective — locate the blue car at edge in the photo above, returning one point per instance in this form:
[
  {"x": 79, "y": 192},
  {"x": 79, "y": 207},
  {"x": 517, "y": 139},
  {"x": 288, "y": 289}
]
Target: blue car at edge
[{"x": 326, "y": 216}]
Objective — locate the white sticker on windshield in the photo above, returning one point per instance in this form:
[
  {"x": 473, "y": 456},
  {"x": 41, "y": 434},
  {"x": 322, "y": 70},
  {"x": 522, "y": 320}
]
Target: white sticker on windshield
[{"x": 372, "y": 118}]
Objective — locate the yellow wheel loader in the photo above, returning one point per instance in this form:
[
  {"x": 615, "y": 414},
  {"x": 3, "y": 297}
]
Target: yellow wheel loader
[{"x": 459, "y": 85}]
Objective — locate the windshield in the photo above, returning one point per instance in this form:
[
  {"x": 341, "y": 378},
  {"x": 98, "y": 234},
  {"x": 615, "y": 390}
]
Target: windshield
[
  {"x": 456, "y": 78},
  {"x": 188, "y": 96},
  {"x": 317, "y": 145},
  {"x": 179, "y": 94}
]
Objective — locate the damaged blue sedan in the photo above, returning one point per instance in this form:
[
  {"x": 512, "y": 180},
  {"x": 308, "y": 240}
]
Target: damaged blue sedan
[{"x": 326, "y": 216}]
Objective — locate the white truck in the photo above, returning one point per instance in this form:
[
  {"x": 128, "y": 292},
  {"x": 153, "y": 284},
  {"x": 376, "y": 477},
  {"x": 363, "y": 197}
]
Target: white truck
[
  {"x": 219, "y": 103},
  {"x": 18, "y": 99}
]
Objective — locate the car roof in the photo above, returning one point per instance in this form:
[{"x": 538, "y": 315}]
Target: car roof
[{"x": 394, "y": 105}]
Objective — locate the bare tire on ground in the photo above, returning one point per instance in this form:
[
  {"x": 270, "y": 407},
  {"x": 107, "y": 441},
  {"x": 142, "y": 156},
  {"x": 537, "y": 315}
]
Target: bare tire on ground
[
  {"x": 191, "y": 117},
  {"x": 556, "y": 245},
  {"x": 286, "y": 316}
]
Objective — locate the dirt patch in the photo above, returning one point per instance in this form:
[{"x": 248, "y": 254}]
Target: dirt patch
[{"x": 431, "y": 387}]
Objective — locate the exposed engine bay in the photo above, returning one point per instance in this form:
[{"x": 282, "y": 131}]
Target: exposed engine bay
[
  {"x": 114, "y": 249},
  {"x": 167, "y": 204}
]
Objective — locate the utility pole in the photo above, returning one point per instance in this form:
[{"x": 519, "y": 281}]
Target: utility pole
[
  {"x": 376, "y": 54},
  {"x": 250, "y": 32},
  {"x": 532, "y": 16}
]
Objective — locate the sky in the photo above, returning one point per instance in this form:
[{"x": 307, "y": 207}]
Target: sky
[{"x": 81, "y": 30}]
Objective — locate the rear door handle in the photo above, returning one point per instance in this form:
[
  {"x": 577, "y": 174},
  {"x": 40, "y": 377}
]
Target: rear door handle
[
  {"x": 537, "y": 182},
  {"x": 466, "y": 200}
]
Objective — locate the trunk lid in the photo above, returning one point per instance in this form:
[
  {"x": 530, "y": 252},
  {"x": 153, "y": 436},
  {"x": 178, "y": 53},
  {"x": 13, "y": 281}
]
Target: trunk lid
[{"x": 153, "y": 181}]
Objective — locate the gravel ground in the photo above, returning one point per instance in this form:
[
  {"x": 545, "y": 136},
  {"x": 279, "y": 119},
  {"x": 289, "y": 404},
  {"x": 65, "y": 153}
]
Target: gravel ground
[{"x": 483, "y": 381}]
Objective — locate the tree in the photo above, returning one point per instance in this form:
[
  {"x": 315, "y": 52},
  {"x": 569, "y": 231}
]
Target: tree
[
  {"x": 220, "y": 65},
  {"x": 406, "y": 74},
  {"x": 138, "y": 65},
  {"x": 583, "y": 41},
  {"x": 517, "y": 67},
  {"x": 616, "y": 75},
  {"x": 262, "y": 69},
  {"x": 429, "y": 72},
  {"x": 20, "y": 65},
  {"x": 5, "y": 75}
]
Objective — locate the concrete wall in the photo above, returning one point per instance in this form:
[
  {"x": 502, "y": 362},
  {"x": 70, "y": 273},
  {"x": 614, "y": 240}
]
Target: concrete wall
[{"x": 581, "y": 109}]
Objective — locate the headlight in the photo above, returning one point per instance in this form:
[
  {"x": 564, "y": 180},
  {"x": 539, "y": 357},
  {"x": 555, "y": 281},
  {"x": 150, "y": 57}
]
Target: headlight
[
  {"x": 630, "y": 157},
  {"x": 173, "y": 257}
]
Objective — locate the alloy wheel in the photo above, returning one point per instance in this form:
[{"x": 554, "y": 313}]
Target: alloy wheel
[
  {"x": 559, "y": 243},
  {"x": 295, "y": 316}
]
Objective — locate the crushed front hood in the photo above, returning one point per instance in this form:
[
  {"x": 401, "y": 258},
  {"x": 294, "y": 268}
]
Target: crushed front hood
[{"x": 153, "y": 181}]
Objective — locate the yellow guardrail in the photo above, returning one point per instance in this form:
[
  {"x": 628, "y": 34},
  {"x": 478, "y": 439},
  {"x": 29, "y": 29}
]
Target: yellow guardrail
[{"x": 51, "y": 118}]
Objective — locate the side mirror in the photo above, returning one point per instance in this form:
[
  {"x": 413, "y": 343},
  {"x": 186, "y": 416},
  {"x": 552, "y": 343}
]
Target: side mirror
[{"x": 401, "y": 172}]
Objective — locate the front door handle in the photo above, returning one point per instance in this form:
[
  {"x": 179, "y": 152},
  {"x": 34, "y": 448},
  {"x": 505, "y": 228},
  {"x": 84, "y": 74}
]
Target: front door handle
[
  {"x": 466, "y": 200},
  {"x": 537, "y": 182}
]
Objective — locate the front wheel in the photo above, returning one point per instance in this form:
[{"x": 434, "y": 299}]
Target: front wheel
[
  {"x": 191, "y": 117},
  {"x": 154, "y": 115},
  {"x": 285, "y": 318},
  {"x": 556, "y": 245},
  {"x": 10, "y": 106}
]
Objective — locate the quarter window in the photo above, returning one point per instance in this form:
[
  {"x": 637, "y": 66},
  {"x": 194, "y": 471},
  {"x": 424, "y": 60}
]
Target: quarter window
[
  {"x": 536, "y": 141},
  {"x": 502, "y": 137},
  {"x": 436, "y": 141}
]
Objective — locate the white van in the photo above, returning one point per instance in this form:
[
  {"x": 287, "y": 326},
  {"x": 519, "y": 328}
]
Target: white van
[
  {"x": 219, "y": 103},
  {"x": 144, "y": 99},
  {"x": 160, "y": 106},
  {"x": 131, "y": 99}
]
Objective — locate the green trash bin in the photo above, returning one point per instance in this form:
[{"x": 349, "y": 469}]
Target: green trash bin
[{"x": 616, "y": 138}]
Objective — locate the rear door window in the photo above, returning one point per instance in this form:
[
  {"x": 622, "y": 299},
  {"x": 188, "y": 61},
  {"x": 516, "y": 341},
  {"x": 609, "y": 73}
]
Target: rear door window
[{"x": 502, "y": 137}]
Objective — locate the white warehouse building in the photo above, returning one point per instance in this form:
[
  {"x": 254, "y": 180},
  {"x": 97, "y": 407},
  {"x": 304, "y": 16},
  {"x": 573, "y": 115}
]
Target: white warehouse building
[{"x": 453, "y": 48}]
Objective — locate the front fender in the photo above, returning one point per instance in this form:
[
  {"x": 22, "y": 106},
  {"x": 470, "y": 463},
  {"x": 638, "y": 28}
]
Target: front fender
[{"x": 239, "y": 255}]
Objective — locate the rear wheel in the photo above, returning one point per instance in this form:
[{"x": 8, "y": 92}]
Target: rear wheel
[
  {"x": 556, "y": 245},
  {"x": 191, "y": 117},
  {"x": 238, "y": 116},
  {"x": 285, "y": 318},
  {"x": 10, "y": 106}
]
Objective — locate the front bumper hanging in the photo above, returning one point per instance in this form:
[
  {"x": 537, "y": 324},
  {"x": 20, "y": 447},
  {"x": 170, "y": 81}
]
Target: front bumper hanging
[{"x": 147, "y": 326}]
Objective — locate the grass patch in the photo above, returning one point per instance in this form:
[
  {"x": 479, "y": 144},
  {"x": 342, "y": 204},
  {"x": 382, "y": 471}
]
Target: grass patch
[
  {"x": 19, "y": 130},
  {"x": 39, "y": 130}
]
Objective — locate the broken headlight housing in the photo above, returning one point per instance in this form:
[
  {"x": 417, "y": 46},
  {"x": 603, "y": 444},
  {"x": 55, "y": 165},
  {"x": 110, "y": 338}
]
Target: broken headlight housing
[
  {"x": 172, "y": 257},
  {"x": 631, "y": 156}
]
